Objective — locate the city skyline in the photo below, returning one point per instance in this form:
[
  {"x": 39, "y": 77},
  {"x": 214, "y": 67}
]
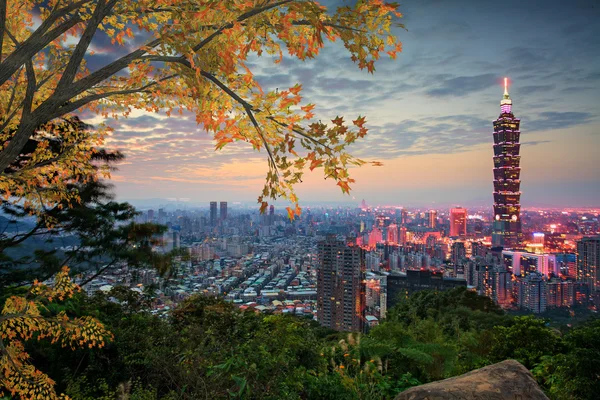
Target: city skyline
[{"x": 429, "y": 115}]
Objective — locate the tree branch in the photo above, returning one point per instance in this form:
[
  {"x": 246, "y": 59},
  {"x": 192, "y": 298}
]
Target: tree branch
[
  {"x": 31, "y": 88},
  {"x": 15, "y": 368},
  {"x": 30, "y": 47},
  {"x": 342, "y": 27},
  {"x": 21, "y": 238},
  {"x": 58, "y": 13},
  {"x": 70, "y": 107},
  {"x": 107, "y": 71},
  {"x": 299, "y": 132},
  {"x": 114, "y": 67},
  {"x": 86, "y": 38},
  {"x": 12, "y": 37},
  {"x": 227, "y": 90},
  {"x": 2, "y": 25},
  {"x": 27, "y": 125},
  {"x": 247, "y": 106},
  {"x": 249, "y": 111},
  {"x": 10, "y": 101},
  {"x": 99, "y": 272},
  {"x": 49, "y": 109},
  {"x": 14, "y": 112},
  {"x": 241, "y": 18}
]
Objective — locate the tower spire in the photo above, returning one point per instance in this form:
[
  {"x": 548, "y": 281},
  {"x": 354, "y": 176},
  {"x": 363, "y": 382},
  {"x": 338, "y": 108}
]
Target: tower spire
[{"x": 506, "y": 103}]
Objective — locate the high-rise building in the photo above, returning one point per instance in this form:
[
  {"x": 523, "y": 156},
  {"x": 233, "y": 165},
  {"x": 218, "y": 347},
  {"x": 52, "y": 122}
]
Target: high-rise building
[
  {"x": 404, "y": 217},
  {"x": 491, "y": 279},
  {"x": 176, "y": 240},
  {"x": 271, "y": 218},
  {"x": 162, "y": 216},
  {"x": 373, "y": 294},
  {"x": 531, "y": 293},
  {"x": 340, "y": 285},
  {"x": 588, "y": 262},
  {"x": 459, "y": 252},
  {"x": 560, "y": 293},
  {"x": 484, "y": 279},
  {"x": 223, "y": 210},
  {"x": 392, "y": 234},
  {"x": 507, "y": 231},
  {"x": 478, "y": 249},
  {"x": 536, "y": 243},
  {"x": 402, "y": 235},
  {"x": 375, "y": 237},
  {"x": 150, "y": 215},
  {"x": 372, "y": 261},
  {"x": 432, "y": 219},
  {"x": 363, "y": 205},
  {"x": 382, "y": 221},
  {"x": 458, "y": 221},
  {"x": 502, "y": 293},
  {"x": 213, "y": 213}
]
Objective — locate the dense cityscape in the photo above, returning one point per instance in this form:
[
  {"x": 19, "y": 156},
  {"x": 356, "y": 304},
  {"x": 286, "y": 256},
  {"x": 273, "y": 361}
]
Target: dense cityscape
[
  {"x": 267, "y": 262},
  {"x": 346, "y": 266}
]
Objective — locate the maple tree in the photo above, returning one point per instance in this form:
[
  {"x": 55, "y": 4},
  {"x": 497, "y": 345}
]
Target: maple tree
[
  {"x": 26, "y": 317},
  {"x": 176, "y": 55}
]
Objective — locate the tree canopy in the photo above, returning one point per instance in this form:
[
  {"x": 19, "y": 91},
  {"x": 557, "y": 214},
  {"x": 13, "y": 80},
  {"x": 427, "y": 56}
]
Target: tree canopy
[
  {"x": 177, "y": 55},
  {"x": 207, "y": 347},
  {"x": 28, "y": 317}
]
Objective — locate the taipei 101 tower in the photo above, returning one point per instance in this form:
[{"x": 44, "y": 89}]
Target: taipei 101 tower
[{"x": 507, "y": 231}]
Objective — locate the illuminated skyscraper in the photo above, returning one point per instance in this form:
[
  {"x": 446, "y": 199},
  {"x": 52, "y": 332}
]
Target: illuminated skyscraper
[
  {"x": 402, "y": 236},
  {"x": 375, "y": 237},
  {"x": 588, "y": 262},
  {"x": 432, "y": 219},
  {"x": 340, "y": 285},
  {"x": 392, "y": 234},
  {"x": 532, "y": 293},
  {"x": 458, "y": 221},
  {"x": 507, "y": 231}
]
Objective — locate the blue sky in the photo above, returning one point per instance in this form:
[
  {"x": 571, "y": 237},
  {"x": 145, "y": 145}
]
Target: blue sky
[{"x": 429, "y": 113}]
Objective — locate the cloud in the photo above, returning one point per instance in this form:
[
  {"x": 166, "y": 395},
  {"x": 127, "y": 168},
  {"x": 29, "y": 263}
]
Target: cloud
[
  {"x": 535, "y": 142},
  {"x": 427, "y": 135},
  {"x": 557, "y": 120},
  {"x": 528, "y": 90},
  {"x": 451, "y": 134},
  {"x": 463, "y": 85}
]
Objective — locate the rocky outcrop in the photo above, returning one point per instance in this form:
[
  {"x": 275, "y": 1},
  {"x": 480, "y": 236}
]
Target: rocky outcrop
[{"x": 508, "y": 380}]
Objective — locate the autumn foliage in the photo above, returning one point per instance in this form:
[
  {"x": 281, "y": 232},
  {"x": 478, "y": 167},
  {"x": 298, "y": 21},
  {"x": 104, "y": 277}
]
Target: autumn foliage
[
  {"x": 26, "y": 318},
  {"x": 176, "y": 56}
]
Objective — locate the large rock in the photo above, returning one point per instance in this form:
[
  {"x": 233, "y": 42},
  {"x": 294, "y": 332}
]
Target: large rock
[{"x": 508, "y": 380}]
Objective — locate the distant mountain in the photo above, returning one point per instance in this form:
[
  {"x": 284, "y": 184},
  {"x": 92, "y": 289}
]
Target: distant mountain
[{"x": 8, "y": 225}]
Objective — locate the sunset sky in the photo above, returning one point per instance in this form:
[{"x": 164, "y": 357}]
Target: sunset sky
[{"x": 429, "y": 113}]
